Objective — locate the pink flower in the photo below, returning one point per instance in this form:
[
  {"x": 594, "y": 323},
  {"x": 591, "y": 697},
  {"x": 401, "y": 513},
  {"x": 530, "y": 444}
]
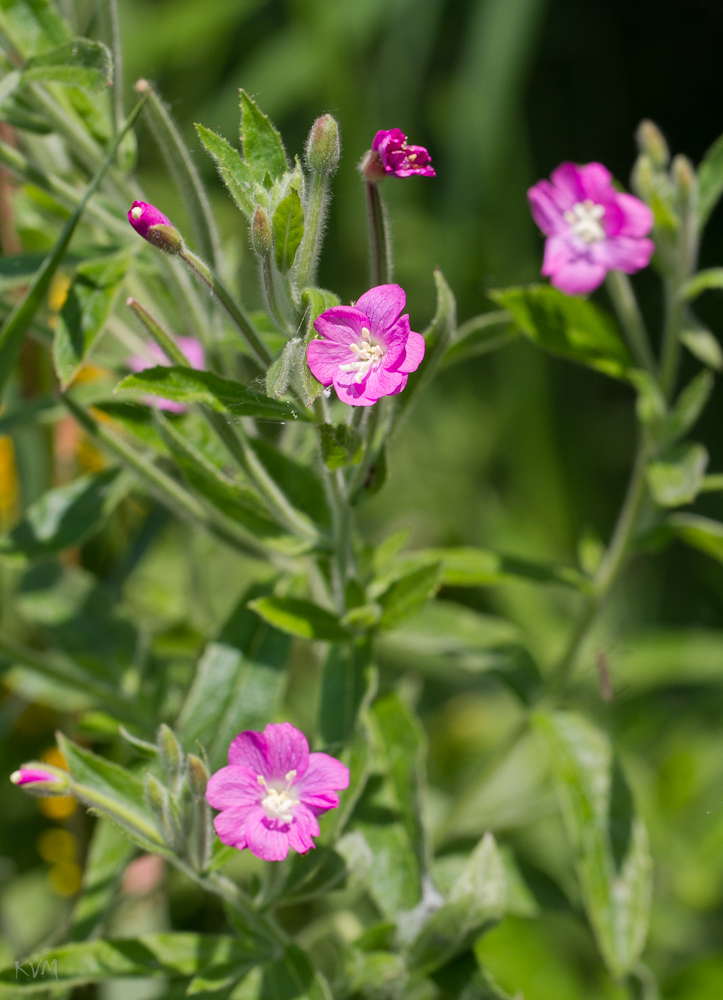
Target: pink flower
[
  {"x": 193, "y": 350},
  {"x": 368, "y": 349},
  {"x": 272, "y": 791},
  {"x": 399, "y": 158},
  {"x": 591, "y": 227},
  {"x": 155, "y": 227},
  {"x": 35, "y": 775}
]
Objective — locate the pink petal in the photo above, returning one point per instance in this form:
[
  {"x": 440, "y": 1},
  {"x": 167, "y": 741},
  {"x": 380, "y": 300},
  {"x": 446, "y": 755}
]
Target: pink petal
[
  {"x": 266, "y": 838},
  {"x": 248, "y": 749},
  {"x": 382, "y": 305},
  {"x": 623, "y": 253},
  {"x": 559, "y": 251},
  {"x": 324, "y": 358},
  {"x": 354, "y": 395},
  {"x": 596, "y": 181},
  {"x": 568, "y": 181},
  {"x": 637, "y": 217},
  {"x": 304, "y": 826},
  {"x": 193, "y": 349},
  {"x": 546, "y": 211},
  {"x": 414, "y": 353},
  {"x": 230, "y": 826},
  {"x": 233, "y": 786},
  {"x": 381, "y": 382},
  {"x": 578, "y": 276},
  {"x": 342, "y": 324},
  {"x": 394, "y": 339},
  {"x": 324, "y": 776},
  {"x": 287, "y": 749}
]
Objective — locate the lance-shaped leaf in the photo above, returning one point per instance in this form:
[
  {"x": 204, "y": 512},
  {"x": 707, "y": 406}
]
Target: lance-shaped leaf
[
  {"x": 65, "y": 516},
  {"x": 471, "y": 567},
  {"x": 109, "y": 852},
  {"x": 569, "y": 326},
  {"x": 342, "y": 691},
  {"x": 292, "y": 977},
  {"x": 235, "y": 174},
  {"x": 263, "y": 149},
  {"x": 85, "y": 312},
  {"x": 702, "y": 533},
  {"x": 33, "y": 25},
  {"x": 186, "y": 385},
  {"x": 288, "y": 223},
  {"x": 315, "y": 302},
  {"x": 114, "y": 792},
  {"x": 238, "y": 683},
  {"x": 280, "y": 374},
  {"x": 610, "y": 842},
  {"x": 710, "y": 180},
  {"x": 408, "y": 594},
  {"x": 341, "y": 445},
  {"x": 174, "y": 956},
  {"x": 477, "y": 902},
  {"x": 80, "y": 63},
  {"x": 299, "y": 618},
  {"x": 688, "y": 407},
  {"x": 678, "y": 479}
]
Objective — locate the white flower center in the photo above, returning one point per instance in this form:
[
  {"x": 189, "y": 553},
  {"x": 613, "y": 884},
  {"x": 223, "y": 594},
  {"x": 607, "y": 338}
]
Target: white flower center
[
  {"x": 136, "y": 213},
  {"x": 367, "y": 355},
  {"x": 279, "y": 800},
  {"x": 584, "y": 218}
]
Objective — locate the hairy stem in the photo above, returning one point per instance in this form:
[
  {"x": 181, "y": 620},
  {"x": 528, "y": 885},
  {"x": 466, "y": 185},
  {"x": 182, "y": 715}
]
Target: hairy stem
[
  {"x": 380, "y": 258},
  {"x": 628, "y": 312},
  {"x": 314, "y": 216}
]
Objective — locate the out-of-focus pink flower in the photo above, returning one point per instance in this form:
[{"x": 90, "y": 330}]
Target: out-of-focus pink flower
[
  {"x": 192, "y": 348},
  {"x": 155, "y": 227},
  {"x": 368, "y": 349},
  {"x": 591, "y": 227},
  {"x": 40, "y": 780},
  {"x": 398, "y": 157},
  {"x": 272, "y": 791}
]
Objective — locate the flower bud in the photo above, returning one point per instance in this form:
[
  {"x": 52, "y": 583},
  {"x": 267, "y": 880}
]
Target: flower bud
[
  {"x": 262, "y": 237},
  {"x": 372, "y": 167},
  {"x": 171, "y": 752},
  {"x": 643, "y": 178},
  {"x": 197, "y": 775},
  {"x": 158, "y": 230},
  {"x": 684, "y": 178},
  {"x": 156, "y": 794},
  {"x": 651, "y": 141},
  {"x": 39, "y": 779},
  {"x": 323, "y": 147}
]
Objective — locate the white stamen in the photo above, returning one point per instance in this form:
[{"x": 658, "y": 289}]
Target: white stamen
[
  {"x": 136, "y": 213},
  {"x": 584, "y": 219},
  {"x": 279, "y": 800},
  {"x": 367, "y": 355}
]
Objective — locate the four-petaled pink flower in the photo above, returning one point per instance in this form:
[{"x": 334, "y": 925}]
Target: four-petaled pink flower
[
  {"x": 192, "y": 348},
  {"x": 591, "y": 227},
  {"x": 368, "y": 349},
  {"x": 398, "y": 157},
  {"x": 272, "y": 791}
]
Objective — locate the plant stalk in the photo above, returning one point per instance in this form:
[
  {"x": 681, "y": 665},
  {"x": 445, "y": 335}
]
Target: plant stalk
[
  {"x": 628, "y": 312},
  {"x": 380, "y": 258},
  {"x": 315, "y": 208}
]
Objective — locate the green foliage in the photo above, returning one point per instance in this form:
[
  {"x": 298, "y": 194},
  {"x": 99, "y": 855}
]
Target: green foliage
[
  {"x": 288, "y": 223},
  {"x": 299, "y": 618},
  {"x": 263, "y": 149},
  {"x": 678, "y": 479},
  {"x": 80, "y": 63},
  {"x": 341, "y": 445}
]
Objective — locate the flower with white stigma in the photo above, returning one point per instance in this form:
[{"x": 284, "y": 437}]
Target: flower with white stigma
[
  {"x": 368, "y": 350},
  {"x": 272, "y": 792},
  {"x": 591, "y": 227},
  {"x": 155, "y": 227}
]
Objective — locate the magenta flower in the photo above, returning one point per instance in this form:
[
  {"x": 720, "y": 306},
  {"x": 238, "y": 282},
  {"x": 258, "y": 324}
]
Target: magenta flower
[
  {"x": 399, "y": 158},
  {"x": 155, "y": 227},
  {"x": 368, "y": 349},
  {"x": 591, "y": 227},
  {"x": 272, "y": 791},
  {"x": 192, "y": 348}
]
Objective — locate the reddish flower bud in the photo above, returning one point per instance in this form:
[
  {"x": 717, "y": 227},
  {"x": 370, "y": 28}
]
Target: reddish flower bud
[
  {"x": 41, "y": 780},
  {"x": 155, "y": 227}
]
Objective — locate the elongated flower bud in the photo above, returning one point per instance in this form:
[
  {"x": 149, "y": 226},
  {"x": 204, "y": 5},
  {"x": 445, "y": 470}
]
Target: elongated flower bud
[
  {"x": 150, "y": 223},
  {"x": 262, "y": 237},
  {"x": 197, "y": 775},
  {"x": 651, "y": 141},
  {"x": 323, "y": 147},
  {"x": 40, "y": 779},
  {"x": 684, "y": 178},
  {"x": 171, "y": 751}
]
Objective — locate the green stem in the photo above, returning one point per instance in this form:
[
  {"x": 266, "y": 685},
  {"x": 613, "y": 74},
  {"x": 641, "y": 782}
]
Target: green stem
[
  {"x": 371, "y": 450},
  {"x": 267, "y": 279},
  {"x": 110, "y": 31},
  {"x": 314, "y": 216},
  {"x": 628, "y": 312},
  {"x": 685, "y": 261},
  {"x": 242, "y": 321},
  {"x": 610, "y": 567},
  {"x": 379, "y": 237}
]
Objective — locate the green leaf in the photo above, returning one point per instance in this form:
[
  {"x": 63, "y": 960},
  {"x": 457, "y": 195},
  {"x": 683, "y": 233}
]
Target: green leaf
[
  {"x": 688, "y": 406},
  {"x": 470, "y": 567},
  {"x": 236, "y": 500},
  {"x": 679, "y": 478},
  {"x": 85, "y": 312},
  {"x": 315, "y": 302},
  {"x": 235, "y": 174},
  {"x": 66, "y": 516},
  {"x": 479, "y": 336},
  {"x": 280, "y": 374},
  {"x": 288, "y": 225},
  {"x": 263, "y": 149},
  {"x": 108, "y": 855},
  {"x": 702, "y": 281},
  {"x": 80, "y": 63},
  {"x": 402, "y": 747},
  {"x": 568, "y": 326},
  {"x": 300, "y": 618},
  {"x": 704, "y": 346},
  {"x": 238, "y": 684},
  {"x": 172, "y": 955},
  {"x": 408, "y": 594},
  {"x": 292, "y": 977},
  {"x": 341, "y": 445},
  {"x": 700, "y": 533},
  {"x": 611, "y": 844},
  {"x": 463, "y": 979},
  {"x": 710, "y": 181},
  {"x": 186, "y": 385},
  {"x": 114, "y": 792},
  {"x": 32, "y": 25},
  {"x": 343, "y": 687},
  {"x": 476, "y": 903},
  {"x": 298, "y": 482}
]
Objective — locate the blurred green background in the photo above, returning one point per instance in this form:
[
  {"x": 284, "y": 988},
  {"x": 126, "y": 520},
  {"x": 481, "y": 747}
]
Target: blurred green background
[{"x": 513, "y": 451}]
